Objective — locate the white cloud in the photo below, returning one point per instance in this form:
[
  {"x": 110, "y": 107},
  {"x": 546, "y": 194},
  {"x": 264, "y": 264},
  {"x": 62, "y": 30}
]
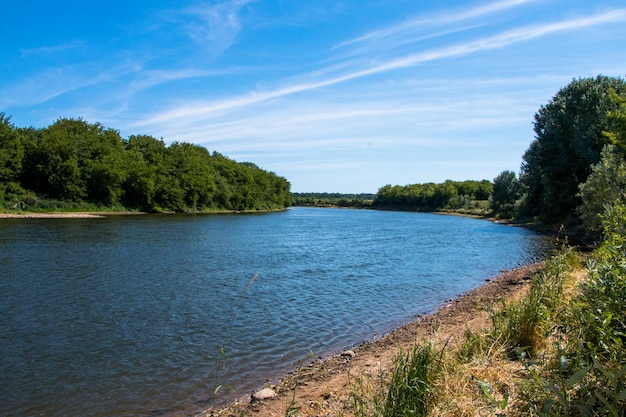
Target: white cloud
[
  {"x": 56, "y": 81},
  {"x": 430, "y": 21},
  {"x": 215, "y": 25},
  {"x": 46, "y": 50},
  {"x": 200, "y": 110}
]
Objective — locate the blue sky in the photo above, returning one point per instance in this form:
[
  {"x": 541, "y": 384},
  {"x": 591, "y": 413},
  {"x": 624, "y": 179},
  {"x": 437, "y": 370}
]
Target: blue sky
[{"x": 338, "y": 96}]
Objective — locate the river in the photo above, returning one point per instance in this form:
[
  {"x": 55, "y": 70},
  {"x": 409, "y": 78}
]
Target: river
[{"x": 149, "y": 315}]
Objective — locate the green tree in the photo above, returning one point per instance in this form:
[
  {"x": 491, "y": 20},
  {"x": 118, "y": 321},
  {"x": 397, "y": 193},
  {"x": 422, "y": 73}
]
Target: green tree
[
  {"x": 605, "y": 187},
  {"x": 506, "y": 192},
  {"x": 443, "y": 193},
  {"x": 192, "y": 167},
  {"x": 139, "y": 184},
  {"x": 617, "y": 121},
  {"x": 51, "y": 166},
  {"x": 145, "y": 156},
  {"x": 569, "y": 139},
  {"x": 11, "y": 150}
]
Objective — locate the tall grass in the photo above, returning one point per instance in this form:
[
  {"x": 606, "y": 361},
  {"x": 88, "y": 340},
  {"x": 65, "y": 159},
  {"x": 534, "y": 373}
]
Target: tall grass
[
  {"x": 591, "y": 379},
  {"x": 411, "y": 389},
  {"x": 408, "y": 390},
  {"x": 523, "y": 326},
  {"x": 584, "y": 373}
]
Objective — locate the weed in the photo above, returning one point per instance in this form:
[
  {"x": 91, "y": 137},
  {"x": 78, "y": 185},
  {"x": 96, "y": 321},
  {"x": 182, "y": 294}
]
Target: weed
[
  {"x": 474, "y": 345},
  {"x": 411, "y": 390}
]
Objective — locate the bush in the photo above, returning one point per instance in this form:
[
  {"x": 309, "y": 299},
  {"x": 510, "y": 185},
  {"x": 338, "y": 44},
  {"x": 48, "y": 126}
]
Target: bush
[{"x": 604, "y": 188}]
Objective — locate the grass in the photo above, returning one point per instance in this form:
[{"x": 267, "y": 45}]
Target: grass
[{"x": 407, "y": 390}]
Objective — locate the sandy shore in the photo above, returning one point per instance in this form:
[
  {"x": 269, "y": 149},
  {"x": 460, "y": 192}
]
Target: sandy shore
[
  {"x": 101, "y": 214},
  {"x": 69, "y": 215},
  {"x": 322, "y": 388}
]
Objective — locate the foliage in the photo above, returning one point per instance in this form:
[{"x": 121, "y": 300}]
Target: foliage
[
  {"x": 605, "y": 187},
  {"x": 617, "y": 122},
  {"x": 363, "y": 200},
  {"x": 506, "y": 191},
  {"x": 523, "y": 326},
  {"x": 569, "y": 139},
  {"x": 433, "y": 197},
  {"x": 571, "y": 344},
  {"x": 588, "y": 374},
  {"x": 82, "y": 163},
  {"x": 603, "y": 297},
  {"x": 11, "y": 151}
]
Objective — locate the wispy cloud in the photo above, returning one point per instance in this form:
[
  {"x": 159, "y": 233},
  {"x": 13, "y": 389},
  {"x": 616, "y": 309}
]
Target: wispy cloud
[
  {"x": 205, "y": 110},
  {"x": 215, "y": 25},
  {"x": 419, "y": 23},
  {"x": 56, "y": 81},
  {"x": 47, "y": 50},
  {"x": 150, "y": 78},
  {"x": 404, "y": 115}
]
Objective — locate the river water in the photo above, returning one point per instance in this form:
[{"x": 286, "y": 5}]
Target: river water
[{"x": 148, "y": 315}]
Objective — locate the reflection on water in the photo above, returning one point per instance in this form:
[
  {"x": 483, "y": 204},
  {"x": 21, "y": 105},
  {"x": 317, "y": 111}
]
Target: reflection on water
[{"x": 128, "y": 316}]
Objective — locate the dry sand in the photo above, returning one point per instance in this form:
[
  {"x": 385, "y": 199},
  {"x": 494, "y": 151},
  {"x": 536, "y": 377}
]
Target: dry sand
[{"x": 67, "y": 215}]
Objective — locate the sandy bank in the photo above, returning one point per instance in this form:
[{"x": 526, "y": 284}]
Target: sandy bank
[
  {"x": 67, "y": 215},
  {"x": 101, "y": 214}
]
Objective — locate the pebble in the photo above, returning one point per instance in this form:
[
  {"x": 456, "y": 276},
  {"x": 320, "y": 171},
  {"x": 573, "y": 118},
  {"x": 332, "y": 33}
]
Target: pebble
[{"x": 263, "y": 394}]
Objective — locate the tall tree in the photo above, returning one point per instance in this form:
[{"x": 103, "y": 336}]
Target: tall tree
[
  {"x": 506, "y": 190},
  {"x": 605, "y": 187},
  {"x": 617, "y": 121},
  {"x": 569, "y": 139},
  {"x": 11, "y": 150}
]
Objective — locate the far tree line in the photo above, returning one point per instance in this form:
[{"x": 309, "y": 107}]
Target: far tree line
[
  {"x": 72, "y": 163},
  {"x": 470, "y": 196}
]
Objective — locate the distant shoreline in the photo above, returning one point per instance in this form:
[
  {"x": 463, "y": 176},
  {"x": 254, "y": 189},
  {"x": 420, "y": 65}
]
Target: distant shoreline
[
  {"x": 68, "y": 215},
  {"x": 103, "y": 214}
]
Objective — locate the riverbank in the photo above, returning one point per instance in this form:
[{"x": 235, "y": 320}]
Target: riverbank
[
  {"x": 323, "y": 387},
  {"x": 69, "y": 215},
  {"x": 102, "y": 214}
]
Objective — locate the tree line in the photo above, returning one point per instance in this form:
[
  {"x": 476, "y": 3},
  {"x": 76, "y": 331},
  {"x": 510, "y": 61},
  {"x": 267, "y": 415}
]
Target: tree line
[
  {"x": 73, "y": 161},
  {"x": 469, "y": 196},
  {"x": 349, "y": 200}
]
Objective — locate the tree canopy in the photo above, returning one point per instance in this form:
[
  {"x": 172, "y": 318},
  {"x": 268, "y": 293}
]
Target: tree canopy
[
  {"x": 506, "y": 192},
  {"x": 76, "y": 161},
  {"x": 570, "y": 134}
]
